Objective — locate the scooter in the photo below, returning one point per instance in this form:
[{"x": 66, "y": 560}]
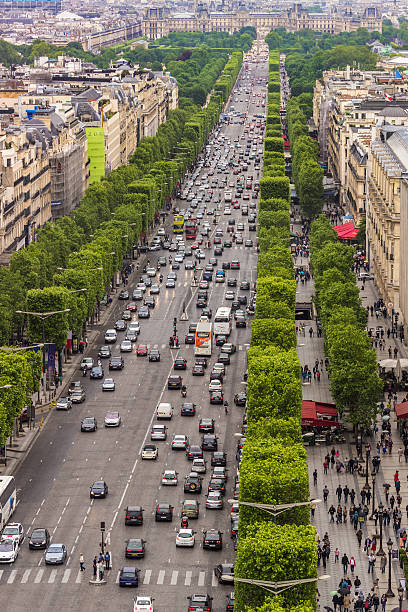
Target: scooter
[
  {"x": 84, "y": 372},
  {"x": 183, "y": 391}
]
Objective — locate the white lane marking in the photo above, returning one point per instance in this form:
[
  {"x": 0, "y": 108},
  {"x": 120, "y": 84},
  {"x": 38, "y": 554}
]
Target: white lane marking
[
  {"x": 201, "y": 579},
  {"x": 160, "y": 578},
  {"x": 187, "y": 580},
  {"x": 12, "y": 577},
  {"x": 25, "y": 576},
  {"x": 78, "y": 579},
  {"x": 39, "y": 576},
  {"x": 52, "y": 577},
  {"x": 214, "y": 581},
  {"x": 147, "y": 576},
  {"x": 1, "y": 573},
  {"x": 174, "y": 577},
  {"x": 66, "y": 576},
  {"x": 117, "y": 578}
]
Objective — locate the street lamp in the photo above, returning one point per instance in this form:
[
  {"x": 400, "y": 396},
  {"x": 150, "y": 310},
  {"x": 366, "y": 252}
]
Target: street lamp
[
  {"x": 400, "y": 597},
  {"x": 373, "y": 491},
  {"x": 381, "y": 552},
  {"x": 367, "y": 449},
  {"x": 78, "y": 290},
  {"x": 6, "y": 386},
  {"x": 274, "y": 587},
  {"x": 389, "y": 593},
  {"x": 274, "y": 509}
]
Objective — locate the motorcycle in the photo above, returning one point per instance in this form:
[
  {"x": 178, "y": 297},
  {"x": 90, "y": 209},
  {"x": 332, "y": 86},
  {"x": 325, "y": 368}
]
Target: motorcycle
[
  {"x": 183, "y": 391},
  {"x": 184, "y": 522},
  {"x": 84, "y": 372}
]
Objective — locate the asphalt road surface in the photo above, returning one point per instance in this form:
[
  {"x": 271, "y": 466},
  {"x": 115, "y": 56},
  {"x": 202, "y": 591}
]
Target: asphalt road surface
[{"x": 54, "y": 481}]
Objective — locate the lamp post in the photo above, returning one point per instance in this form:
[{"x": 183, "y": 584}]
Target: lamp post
[
  {"x": 274, "y": 509},
  {"x": 367, "y": 449},
  {"x": 389, "y": 593},
  {"x": 274, "y": 587},
  {"x": 373, "y": 492},
  {"x": 380, "y": 552},
  {"x": 400, "y": 597}
]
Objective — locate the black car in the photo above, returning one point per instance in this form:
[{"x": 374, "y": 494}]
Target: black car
[
  {"x": 197, "y": 370},
  {"x": 235, "y": 305},
  {"x": 174, "y": 382},
  {"x": 216, "y": 397},
  {"x": 218, "y": 250},
  {"x": 226, "y": 265},
  {"x": 96, "y": 372},
  {"x": 39, "y": 539},
  {"x": 120, "y": 325},
  {"x": 209, "y": 442},
  {"x": 98, "y": 489},
  {"x": 89, "y": 424},
  {"x": 192, "y": 483},
  {"x": 219, "y": 458},
  {"x": 225, "y": 569},
  {"x": 206, "y": 312},
  {"x": 217, "y": 484},
  {"x": 234, "y": 528},
  {"x": 104, "y": 352},
  {"x": 134, "y": 515},
  {"x": 201, "y": 302},
  {"x": 135, "y": 548},
  {"x": 180, "y": 363},
  {"x": 252, "y": 227},
  {"x": 216, "y": 375},
  {"x": 164, "y": 512},
  {"x": 220, "y": 340},
  {"x": 188, "y": 409},
  {"x": 240, "y": 399},
  {"x": 194, "y": 451},
  {"x": 116, "y": 363},
  {"x": 129, "y": 576},
  {"x": 202, "y": 361},
  {"x": 243, "y": 300},
  {"x": 240, "y": 321},
  {"x": 232, "y": 282},
  {"x": 200, "y": 602},
  {"x": 224, "y": 358},
  {"x": 189, "y": 339},
  {"x": 206, "y": 425},
  {"x": 212, "y": 539},
  {"x": 154, "y": 355},
  {"x": 235, "y": 264}
]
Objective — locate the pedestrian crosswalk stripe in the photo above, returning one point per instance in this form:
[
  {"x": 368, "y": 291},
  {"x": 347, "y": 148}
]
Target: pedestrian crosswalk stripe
[
  {"x": 174, "y": 577},
  {"x": 187, "y": 580},
  {"x": 240, "y": 347},
  {"x": 201, "y": 579},
  {"x": 79, "y": 577},
  {"x": 117, "y": 578},
  {"x": 1, "y": 573},
  {"x": 52, "y": 576},
  {"x": 12, "y": 577},
  {"x": 160, "y": 579},
  {"x": 66, "y": 576},
  {"x": 214, "y": 581},
  {"x": 25, "y": 576},
  {"x": 38, "y": 577},
  {"x": 155, "y": 346},
  {"x": 163, "y": 346},
  {"x": 147, "y": 576}
]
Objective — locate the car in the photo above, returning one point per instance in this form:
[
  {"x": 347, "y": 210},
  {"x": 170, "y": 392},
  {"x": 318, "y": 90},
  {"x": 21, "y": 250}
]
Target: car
[
  {"x": 212, "y": 539},
  {"x": 55, "y": 554},
  {"x": 159, "y": 432},
  {"x": 224, "y": 569},
  {"x": 216, "y": 397},
  {"x": 144, "y": 312},
  {"x": 199, "y": 466},
  {"x": 230, "y": 295},
  {"x": 243, "y": 300},
  {"x": 194, "y": 451},
  {"x": 150, "y": 451},
  {"x": 206, "y": 425},
  {"x": 150, "y": 301},
  {"x": 120, "y": 325},
  {"x": 170, "y": 283},
  {"x": 206, "y": 312},
  {"x": 126, "y": 315},
  {"x": 203, "y": 603},
  {"x": 14, "y": 532},
  {"x": 240, "y": 399},
  {"x": 185, "y": 537},
  {"x": 218, "y": 250},
  {"x": 8, "y": 551},
  {"x": 129, "y": 576},
  {"x": 143, "y": 603},
  {"x": 234, "y": 511},
  {"x": 89, "y": 424},
  {"x": 87, "y": 363},
  {"x": 132, "y": 307},
  {"x": 169, "y": 477},
  {"x": 214, "y": 500},
  {"x": 133, "y": 515},
  {"x": 64, "y": 403},
  {"x": 78, "y": 396},
  {"x": 189, "y": 338},
  {"x": 134, "y": 327},
  {"x": 96, "y": 372},
  {"x": 192, "y": 483},
  {"x": 197, "y": 370},
  {"x": 239, "y": 239},
  {"x": 39, "y": 539},
  {"x": 226, "y": 265},
  {"x": 108, "y": 384},
  {"x": 188, "y": 409},
  {"x": 126, "y": 346},
  {"x": 174, "y": 382},
  {"x": 104, "y": 352},
  {"x": 219, "y": 458},
  {"x": 240, "y": 321},
  {"x": 215, "y": 385},
  {"x": 220, "y": 340},
  {"x": 163, "y": 512},
  {"x": 235, "y": 265},
  {"x": 229, "y": 348},
  {"x": 190, "y": 508},
  {"x": 151, "y": 272},
  {"x": 245, "y": 285},
  {"x": 98, "y": 489},
  {"x": 220, "y": 471},
  {"x": 209, "y": 442},
  {"x": 154, "y": 289},
  {"x": 124, "y": 294},
  {"x": 180, "y": 363},
  {"x": 234, "y": 528},
  {"x": 224, "y": 358},
  {"x": 142, "y": 350},
  {"x": 116, "y": 362},
  {"x": 179, "y": 442},
  {"x": 231, "y": 282},
  {"x": 134, "y": 548},
  {"x": 137, "y": 295},
  {"x": 154, "y": 355},
  {"x": 112, "y": 419}
]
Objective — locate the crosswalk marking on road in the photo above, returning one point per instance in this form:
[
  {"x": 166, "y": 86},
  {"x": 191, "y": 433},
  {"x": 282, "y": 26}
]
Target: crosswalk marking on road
[
  {"x": 147, "y": 576},
  {"x": 1, "y": 573},
  {"x": 12, "y": 577},
  {"x": 160, "y": 579},
  {"x": 174, "y": 577},
  {"x": 187, "y": 580},
  {"x": 78, "y": 579},
  {"x": 214, "y": 581},
  {"x": 38, "y": 577},
  {"x": 201, "y": 579},
  {"x": 66, "y": 576},
  {"x": 117, "y": 578},
  {"x": 25, "y": 577},
  {"x": 52, "y": 576}
]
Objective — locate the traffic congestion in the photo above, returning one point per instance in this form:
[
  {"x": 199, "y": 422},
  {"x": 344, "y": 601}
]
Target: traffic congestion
[{"x": 142, "y": 452}]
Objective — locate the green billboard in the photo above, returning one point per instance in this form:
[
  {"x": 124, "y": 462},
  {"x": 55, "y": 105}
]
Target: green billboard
[{"x": 96, "y": 152}]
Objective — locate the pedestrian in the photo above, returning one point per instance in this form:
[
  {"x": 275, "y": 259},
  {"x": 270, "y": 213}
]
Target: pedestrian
[
  {"x": 357, "y": 584},
  {"x": 81, "y": 562},
  {"x": 332, "y": 512},
  {"x": 107, "y": 560},
  {"x": 400, "y": 453},
  {"x": 376, "y": 602},
  {"x": 336, "y": 555},
  {"x": 100, "y": 558},
  {"x": 315, "y": 477},
  {"x": 94, "y": 563},
  {"x": 371, "y": 562},
  {"x": 346, "y": 492},
  {"x": 352, "y": 564},
  {"x": 398, "y": 485},
  {"x": 339, "y": 492},
  {"x": 346, "y": 603},
  {"x": 312, "y": 509},
  {"x": 352, "y": 496},
  {"x": 359, "y": 535},
  {"x": 325, "y": 466},
  {"x": 325, "y": 493},
  {"x": 383, "y": 602},
  {"x": 345, "y": 563}
]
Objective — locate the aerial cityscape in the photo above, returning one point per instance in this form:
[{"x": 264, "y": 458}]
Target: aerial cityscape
[{"x": 203, "y": 306}]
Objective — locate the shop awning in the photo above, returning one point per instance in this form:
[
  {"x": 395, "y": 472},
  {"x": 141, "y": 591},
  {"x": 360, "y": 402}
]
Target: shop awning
[
  {"x": 319, "y": 414},
  {"x": 401, "y": 410},
  {"x": 346, "y": 231}
]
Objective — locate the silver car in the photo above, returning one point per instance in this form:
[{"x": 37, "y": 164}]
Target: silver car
[
  {"x": 64, "y": 403},
  {"x": 108, "y": 384},
  {"x": 214, "y": 500},
  {"x": 159, "y": 432},
  {"x": 126, "y": 346},
  {"x": 179, "y": 442},
  {"x": 112, "y": 419},
  {"x": 55, "y": 554}
]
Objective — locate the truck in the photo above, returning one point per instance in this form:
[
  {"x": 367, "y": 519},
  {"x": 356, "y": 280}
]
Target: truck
[{"x": 191, "y": 228}]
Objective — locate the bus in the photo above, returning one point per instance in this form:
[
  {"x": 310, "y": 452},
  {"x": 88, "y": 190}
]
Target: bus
[
  {"x": 222, "y": 321},
  {"x": 178, "y": 224},
  {"x": 8, "y": 499},
  {"x": 191, "y": 228},
  {"x": 203, "y": 339}
]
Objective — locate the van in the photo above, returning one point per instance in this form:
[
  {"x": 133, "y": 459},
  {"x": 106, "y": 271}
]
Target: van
[
  {"x": 164, "y": 411},
  {"x": 228, "y": 196}
]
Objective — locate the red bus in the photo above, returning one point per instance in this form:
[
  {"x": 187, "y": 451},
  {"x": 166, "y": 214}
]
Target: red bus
[{"x": 191, "y": 228}]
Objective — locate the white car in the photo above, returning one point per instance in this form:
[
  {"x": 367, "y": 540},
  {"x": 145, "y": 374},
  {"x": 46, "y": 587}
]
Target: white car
[
  {"x": 110, "y": 336},
  {"x": 87, "y": 362},
  {"x": 199, "y": 465},
  {"x": 169, "y": 478},
  {"x": 215, "y": 385},
  {"x": 143, "y": 603},
  {"x": 108, "y": 384},
  {"x": 179, "y": 442},
  {"x": 8, "y": 551},
  {"x": 112, "y": 419},
  {"x": 14, "y": 532},
  {"x": 151, "y": 272},
  {"x": 154, "y": 289},
  {"x": 150, "y": 451},
  {"x": 126, "y": 346},
  {"x": 185, "y": 537}
]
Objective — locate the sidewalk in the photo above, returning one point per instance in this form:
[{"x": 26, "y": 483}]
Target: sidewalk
[{"x": 343, "y": 535}]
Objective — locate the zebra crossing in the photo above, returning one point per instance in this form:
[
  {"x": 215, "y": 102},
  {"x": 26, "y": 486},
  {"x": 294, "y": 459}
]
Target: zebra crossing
[
  {"x": 240, "y": 347},
  {"x": 160, "y": 577}
]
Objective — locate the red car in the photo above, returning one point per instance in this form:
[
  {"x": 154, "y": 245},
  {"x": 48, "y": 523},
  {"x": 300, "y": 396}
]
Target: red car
[
  {"x": 131, "y": 306},
  {"x": 141, "y": 350}
]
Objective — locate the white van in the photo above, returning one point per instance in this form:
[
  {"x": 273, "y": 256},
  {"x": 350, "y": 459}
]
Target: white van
[
  {"x": 228, "y": 196},
  {"x": 164, "y": 411}
]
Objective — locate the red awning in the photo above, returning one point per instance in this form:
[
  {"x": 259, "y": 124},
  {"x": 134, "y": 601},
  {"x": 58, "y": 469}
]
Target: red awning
[
  {"x": 319, "y": 414},
  {"x": 347, "y": 231},
  {"x": 401, "y": 410}
]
